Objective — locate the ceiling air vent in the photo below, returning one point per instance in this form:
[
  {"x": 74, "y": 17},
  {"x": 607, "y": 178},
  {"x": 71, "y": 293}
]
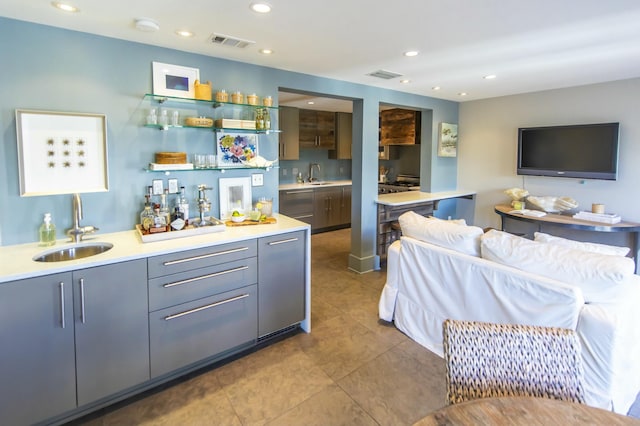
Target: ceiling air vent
[
  {"x": 231, "y": 41},
  {"x": 387, "y": 75}
]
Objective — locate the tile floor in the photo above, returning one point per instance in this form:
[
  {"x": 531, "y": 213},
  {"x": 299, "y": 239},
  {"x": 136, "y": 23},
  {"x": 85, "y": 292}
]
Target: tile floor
[{"x": 351, "y": 370}]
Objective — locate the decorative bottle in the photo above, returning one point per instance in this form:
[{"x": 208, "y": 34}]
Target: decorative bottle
[
  {"x": 164, "y": 209},
  {"x": 183, "y": 205},
  {"x": 47, "y": 231},
  {"x": 146, "y": 217},
  {"x": 177, "y": 220}
]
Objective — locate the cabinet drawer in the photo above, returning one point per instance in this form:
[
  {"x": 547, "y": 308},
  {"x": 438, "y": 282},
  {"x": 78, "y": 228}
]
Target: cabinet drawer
[
  {"x": 170, "y": 290},
  {"x": 191, "y": 332},
  {"x": 296, "y": 203},
  {"x": 200, "y": 258}
]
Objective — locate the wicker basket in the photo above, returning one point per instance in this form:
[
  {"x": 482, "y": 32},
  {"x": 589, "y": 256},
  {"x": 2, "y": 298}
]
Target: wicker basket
[{"x": 171, "y": 157}]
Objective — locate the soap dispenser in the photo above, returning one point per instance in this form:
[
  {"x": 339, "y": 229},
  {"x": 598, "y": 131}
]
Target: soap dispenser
[{"x": 47, "y": 231}]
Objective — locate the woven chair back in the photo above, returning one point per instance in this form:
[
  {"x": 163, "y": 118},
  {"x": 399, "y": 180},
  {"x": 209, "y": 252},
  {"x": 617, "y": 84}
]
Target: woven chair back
[{"x": 487, "y": 360}]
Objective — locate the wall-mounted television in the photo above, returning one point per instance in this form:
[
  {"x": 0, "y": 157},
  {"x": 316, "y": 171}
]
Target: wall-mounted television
[{"x": 584, "y": 151}]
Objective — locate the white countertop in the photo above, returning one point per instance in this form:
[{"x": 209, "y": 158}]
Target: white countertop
[
  {"x": 414, "y": 197},
  {"x": 307, "y": 185},
  {"x": 16, "y": 261}
]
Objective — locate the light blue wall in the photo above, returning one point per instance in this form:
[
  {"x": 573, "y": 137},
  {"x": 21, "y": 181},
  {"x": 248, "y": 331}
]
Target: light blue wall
[{"x": 47, "y": 68}]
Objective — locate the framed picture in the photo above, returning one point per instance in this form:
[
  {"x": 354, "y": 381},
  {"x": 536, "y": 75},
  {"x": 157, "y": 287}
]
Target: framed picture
[
  {"x": 235, "y": 149},
  {"x": 61, "y": 152},
  {"x": 235, "y": 194},
  {"x": 174, "y": 80},
  {"x": 447, "y": 140}
]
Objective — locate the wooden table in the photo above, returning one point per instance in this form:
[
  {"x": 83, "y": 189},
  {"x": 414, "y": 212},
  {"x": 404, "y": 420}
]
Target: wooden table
[
  {"x": 525, "y": 411},
  {"x": 631, "y": 229}
]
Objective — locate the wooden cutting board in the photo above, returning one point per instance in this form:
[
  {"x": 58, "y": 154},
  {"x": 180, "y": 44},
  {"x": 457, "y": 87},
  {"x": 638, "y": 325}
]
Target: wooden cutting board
[{"x": 251, "y": 222}]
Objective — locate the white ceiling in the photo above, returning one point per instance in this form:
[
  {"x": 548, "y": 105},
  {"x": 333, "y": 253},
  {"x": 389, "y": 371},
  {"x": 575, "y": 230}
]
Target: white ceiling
[{"x": 529, "y": 45}]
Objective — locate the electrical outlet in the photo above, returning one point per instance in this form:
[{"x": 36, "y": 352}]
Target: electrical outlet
[
  {"x": 284, "y": 172},
  {"x": 294, "y": 170},
  {"x": 257, "y": 179},
  {"x": 341, "y": 170}
]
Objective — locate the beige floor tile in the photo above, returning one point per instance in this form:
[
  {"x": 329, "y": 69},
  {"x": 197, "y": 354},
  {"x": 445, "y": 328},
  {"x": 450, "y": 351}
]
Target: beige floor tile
[
  {"x": 332, "y": 407},
  {"x": 394, "y": 388},
  {"x": 262, "y": 386},
  {"x": 341, "y": 345}
]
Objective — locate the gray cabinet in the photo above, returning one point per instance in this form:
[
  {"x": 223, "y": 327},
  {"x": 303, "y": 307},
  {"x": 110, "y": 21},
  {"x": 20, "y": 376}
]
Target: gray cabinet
[
  {"x": 317, "y": 129},
  {"x": 297, "y": 204},
  {"x": 70, "y": 339},
  {"x": 289, "y": 144},
  {"x": 281, "y": 281},
  {"x": 111, "y": 329},
  {"x": 37, "y": 361},
  {"x": 345, "y": 205},
  {"x": 326, "y": 207},
  {"x": 202, "y": 302},
  {"x": 344, "y": 137}
]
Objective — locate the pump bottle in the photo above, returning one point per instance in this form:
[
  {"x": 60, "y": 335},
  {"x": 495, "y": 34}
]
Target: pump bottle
[{"x": 47, "y": 231}]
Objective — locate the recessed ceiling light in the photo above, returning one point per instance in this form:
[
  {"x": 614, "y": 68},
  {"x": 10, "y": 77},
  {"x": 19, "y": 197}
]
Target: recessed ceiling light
[
  {"x": 147, "y": 25},
  {"x": 435, "y": 88},
  {"x": 411, "y": 53},
  {"x": 64, "y": 6},
  {"x": 310, "y": 103},
  {"x": 184, "y": 33},
  {"x": 405, "y": 81},
  {"x": 260, "y": 7},
  {"x": 489, "y": 77},
  {"x": 462, "y": 94},
  {"x": 266, "y": 51}
]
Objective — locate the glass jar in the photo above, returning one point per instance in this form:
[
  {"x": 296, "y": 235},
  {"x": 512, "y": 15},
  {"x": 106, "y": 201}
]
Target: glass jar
[
  {"x": 237, "y": 98},
  {"x": 222, "y": 96},
  {"x": 252, "y": 99},
  {"x": 259, "y": 118}
]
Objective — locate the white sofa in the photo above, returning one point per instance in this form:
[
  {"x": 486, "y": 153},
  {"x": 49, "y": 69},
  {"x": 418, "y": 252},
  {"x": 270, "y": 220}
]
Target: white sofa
[{"x": 440, "y": 270}]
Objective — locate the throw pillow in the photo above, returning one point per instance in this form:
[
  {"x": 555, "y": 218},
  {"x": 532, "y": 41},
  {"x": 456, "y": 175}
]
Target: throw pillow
[
  {"x": 591, "y": 247},
  {"x": 592, "y": 272},
  {"x": 444, "y": 233}
]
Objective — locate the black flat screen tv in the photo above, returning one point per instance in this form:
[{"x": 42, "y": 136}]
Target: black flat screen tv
[{"x": 584, "y": 151}]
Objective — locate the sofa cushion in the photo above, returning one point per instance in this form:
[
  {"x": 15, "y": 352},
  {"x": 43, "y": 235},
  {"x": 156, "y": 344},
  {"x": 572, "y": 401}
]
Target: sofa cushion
[
  {"x": 592, "y": 272},
  {"x": 444, "y": 233},
  {"x": 591, "y": 247}
]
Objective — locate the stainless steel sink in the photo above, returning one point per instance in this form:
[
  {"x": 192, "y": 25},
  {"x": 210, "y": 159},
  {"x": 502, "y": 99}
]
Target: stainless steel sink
[{"x": 73, "y": 252}]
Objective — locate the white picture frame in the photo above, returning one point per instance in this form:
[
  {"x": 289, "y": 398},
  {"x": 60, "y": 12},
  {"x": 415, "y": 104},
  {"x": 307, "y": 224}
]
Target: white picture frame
[
  {"x": 447, "y": 140},
  {"x": 235, "y": 194},
  {"x": 61, "y": 152},
  {"x": 174, "y": 80}
]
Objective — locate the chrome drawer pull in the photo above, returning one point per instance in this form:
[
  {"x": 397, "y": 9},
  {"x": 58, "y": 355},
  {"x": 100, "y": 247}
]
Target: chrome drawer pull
[
  {"x": 82, "y": 315},
  {"x": 62, "y": 304},
  {"x": 202, "y": 308},
  {"x": 299, "y": 192},
  {"x": 204, "y": 256},
  {"x": 290, "y": 240},
  {"x": 202, "y": 277}
]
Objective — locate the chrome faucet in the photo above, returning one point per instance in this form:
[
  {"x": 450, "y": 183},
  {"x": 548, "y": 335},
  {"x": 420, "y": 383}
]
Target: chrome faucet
[
  {"x": 311, "y": 166},
  {"x": 77, "y": 232}
]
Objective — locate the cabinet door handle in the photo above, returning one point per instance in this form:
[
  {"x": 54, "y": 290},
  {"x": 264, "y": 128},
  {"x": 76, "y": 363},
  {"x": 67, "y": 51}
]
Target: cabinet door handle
[
  {"x": 82, "y": 316},
  {"x": 204, "y": 256},
  {"x": 202, "y": 277},
  {"x": 61, "y": 285},
  {"x": 202, "y": 308},
  {"x": 299, "y": 192},
  {"x": 289, "y": 240}
]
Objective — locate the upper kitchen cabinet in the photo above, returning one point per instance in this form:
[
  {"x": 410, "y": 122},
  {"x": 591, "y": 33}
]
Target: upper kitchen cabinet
[
  {"x": 399, "y": 127},
  {"x": 288, "y": 145},
  {"x": 344, "y": 126},
  {"x": 317, "y": 129}
]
